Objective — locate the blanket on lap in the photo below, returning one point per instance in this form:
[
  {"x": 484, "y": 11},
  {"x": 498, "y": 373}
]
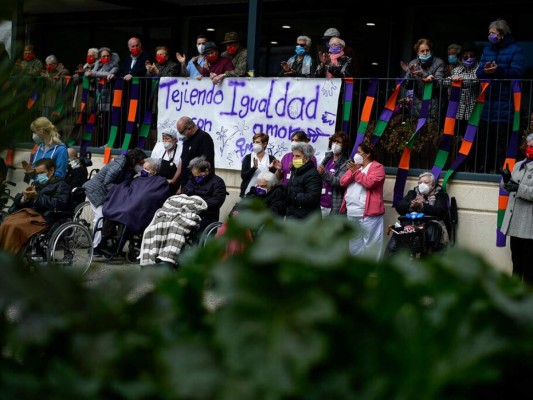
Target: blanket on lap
[{"x": 164, "y": 237}]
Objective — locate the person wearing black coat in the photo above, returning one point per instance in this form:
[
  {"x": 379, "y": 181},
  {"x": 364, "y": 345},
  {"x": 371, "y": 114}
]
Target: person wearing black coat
[
  {"x": 255, "y": 163},
  {"x": 305, "y": 185},
  {"x": 270, "y": 189},
  {"x": 210, "y": 187}
]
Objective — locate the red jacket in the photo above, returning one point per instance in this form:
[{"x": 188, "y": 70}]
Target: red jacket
[{"x": 373, "y": 181}]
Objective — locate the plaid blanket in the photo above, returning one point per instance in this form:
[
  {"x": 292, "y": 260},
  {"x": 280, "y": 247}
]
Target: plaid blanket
[{"x": 163, "y": 239}]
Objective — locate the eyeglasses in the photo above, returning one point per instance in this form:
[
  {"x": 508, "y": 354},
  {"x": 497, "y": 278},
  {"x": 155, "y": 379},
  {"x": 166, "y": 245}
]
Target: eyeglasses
[
  {"x": 184, "y": 129},
  {"x": 300, "y": 44}
]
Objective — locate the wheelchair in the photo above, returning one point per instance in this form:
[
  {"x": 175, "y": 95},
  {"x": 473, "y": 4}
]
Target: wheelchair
[
  {"x": 6, "y": 200},
  {"x": 67, "y": 244}
]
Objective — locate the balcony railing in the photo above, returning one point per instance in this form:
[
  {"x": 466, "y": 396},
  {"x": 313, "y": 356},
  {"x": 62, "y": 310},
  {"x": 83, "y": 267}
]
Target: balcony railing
[{"x": 82, "y": 109}]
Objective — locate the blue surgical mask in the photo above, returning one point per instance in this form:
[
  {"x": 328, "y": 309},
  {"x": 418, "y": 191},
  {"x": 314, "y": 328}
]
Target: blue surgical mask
[
  {"x": 493, "y": 38},
  {"x": 300, "y": 50},
  {"x": 452, "y": 59},
  {"x": 424, "y": 58},
  {"x": 199, "y": 178},
  {"x": 260, "y": 191},
  {"x": 469, "y": 63},
  {"x": 335, "y": 49},
  {"x": 42, "y": 179},
  {"x": 145, "y": 173}
]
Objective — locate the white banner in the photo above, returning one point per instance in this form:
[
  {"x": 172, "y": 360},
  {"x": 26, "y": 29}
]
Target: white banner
[{"x": 238, "y": 108}]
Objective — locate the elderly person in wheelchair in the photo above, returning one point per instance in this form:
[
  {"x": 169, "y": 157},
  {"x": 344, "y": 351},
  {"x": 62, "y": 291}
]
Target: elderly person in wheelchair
[
  {"x": 427, "y": 198},
  {"x": 35, "y": 209}
]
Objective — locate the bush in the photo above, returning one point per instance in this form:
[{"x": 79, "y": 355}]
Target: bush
[{"x": 293, "y": 316}]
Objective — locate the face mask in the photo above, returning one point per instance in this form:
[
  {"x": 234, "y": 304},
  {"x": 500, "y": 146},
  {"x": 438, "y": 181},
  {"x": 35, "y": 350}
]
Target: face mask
[
  {"x": 29, "y": 57},
  {"x": 181, "y": 137},
  {"x": 168, "y": 145},
  {"x": 335, "y": 49},
  {"x": 529, "y": 153},
  {"x": 336, "y": 148},
  {"x": 300, "y": 50},
  {"x": 161, "y": 59},
  {"x": 105, "y": 60},
  {"x": 257, "y": 148},
  {"x": 136, "y": 51},
  {"x": 423, "y": 188},
  {"x": 293, "y": 144},
  {"x": 493, "y": 38},
  {"x": 469, "y": 63},
  {"x": 42, "y": 178},
  {"x": 424, "y": 58},
  {"x": 145, "y": 173},
  {"x": 37, "y": 139},
  {"x": 297, "y": 163},
  {"x": 260, "y": 191},
  {"x": 212, "y": 58},
  {"x": 138, "y": 168},
  {"x": 199, "y": 178},
  {"x": 232, "y": 49},
  {"x": 358, "y": 159},
  {"x": 452, "y": 59},
  {"x": 201, "y": 48},
  {"x": 90, "y": 59},
  {"x": 74, "y": 163},
  {"x": 50, "y": 67}
]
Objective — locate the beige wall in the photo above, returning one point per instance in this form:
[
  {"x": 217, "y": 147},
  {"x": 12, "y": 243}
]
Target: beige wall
[{"x": 477, "y": 203}]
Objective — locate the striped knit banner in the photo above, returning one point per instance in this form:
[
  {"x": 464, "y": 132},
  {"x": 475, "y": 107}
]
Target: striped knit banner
[
  {"x": 348, "y": 99},
  {"x": 449, "y": 129},
  {"x": 403, "y": 167},
  {"x": 115, "y": 119},
  {"x": 470, "y": 134},
  {"x": 510, "y": 160},
  {"x": 34, "y": 96},
  {"x": 387, "y": 112},
  {"x": 132, "y": 113},
  {"x": 84, "y": 96},
  {"x": 147, "y": 121},
  {"x": 89, "y": 126},
  {"x": 365, "y": 115},
  {"x": 62, "y": 97}
]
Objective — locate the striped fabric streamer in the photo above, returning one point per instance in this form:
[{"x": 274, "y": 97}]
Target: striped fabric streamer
[
  {"x": 115, "y": 119},
  {"x": 387, "y": 112},
  {"x": 89, "y": 126},
  {"x": 62, "y": 97},
  {"x": 348, "y": 99},
  {"x": 510, "y": 161},
  {"x": 403, "y": 167},
  {"x": 365, "y": 115},
  {"x": 34, "y": 96},
  {"x": 449, "y": 129},
  {"x": 147, "y": 121},
  {"x": 84, "y": 97},
  {"x": 470, "y": 134},
  {"x": 132, "y": 113}
]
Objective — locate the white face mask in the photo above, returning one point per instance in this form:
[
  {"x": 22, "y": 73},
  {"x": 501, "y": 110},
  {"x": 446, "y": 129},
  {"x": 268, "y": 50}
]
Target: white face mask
[
  {"x": 336, "y": 148},
  {"x": 293, "y": 143},
  {"x": 257, "y": 148},
  {"x": 201, "y": 48},
  {"x": 358, "y": 159},
  {"x": 37, "y": 139},
  {"x": 423, "y": 188},
  {"x": 138, "y": 168},
  {"x": 168, "y": 145}
]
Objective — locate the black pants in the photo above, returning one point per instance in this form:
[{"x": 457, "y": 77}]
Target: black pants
[{"x": 521, "y": 257}]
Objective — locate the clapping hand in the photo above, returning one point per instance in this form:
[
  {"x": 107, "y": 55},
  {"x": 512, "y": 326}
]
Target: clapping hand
[
  {"x": 506, "y": 174},
  {"x": 511, "y": 186}
]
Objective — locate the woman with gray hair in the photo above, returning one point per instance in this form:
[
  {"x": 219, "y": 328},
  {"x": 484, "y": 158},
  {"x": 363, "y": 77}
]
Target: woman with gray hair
[
  {"x": 305, "y": 185},
  {"x": 518, "y": 218},
  {"x": 334, "y": 63},
  {"x": 300, "y": 64},
  {"x": 269, "y": 188},
  {"x": 207, "y": 185}
]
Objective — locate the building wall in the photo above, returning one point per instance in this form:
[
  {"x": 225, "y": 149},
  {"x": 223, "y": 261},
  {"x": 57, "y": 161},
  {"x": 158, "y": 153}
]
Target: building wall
[{"x": 477, "y": 204}]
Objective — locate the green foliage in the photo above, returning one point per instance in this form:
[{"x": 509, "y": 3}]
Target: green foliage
[{"x": 293, "y": 316}]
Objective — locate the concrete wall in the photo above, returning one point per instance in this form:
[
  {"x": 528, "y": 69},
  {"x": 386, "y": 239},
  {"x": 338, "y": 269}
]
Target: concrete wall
[{"x": 477, "y": 203}]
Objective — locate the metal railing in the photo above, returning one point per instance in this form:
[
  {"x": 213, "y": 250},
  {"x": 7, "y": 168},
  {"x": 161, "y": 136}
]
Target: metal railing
[{"x": 80, "y": 112}]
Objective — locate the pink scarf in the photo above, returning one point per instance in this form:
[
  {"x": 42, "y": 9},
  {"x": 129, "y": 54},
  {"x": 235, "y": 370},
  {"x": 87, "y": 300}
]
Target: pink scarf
[{"x": 334, "y": 61}]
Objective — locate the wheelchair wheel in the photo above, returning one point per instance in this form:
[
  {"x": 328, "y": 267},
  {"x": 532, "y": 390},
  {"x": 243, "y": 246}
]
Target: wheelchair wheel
[
  {"x": 83, "y": 213},
  {"x": 209, "y": 233},
  {"x": 70, "y": 247}
]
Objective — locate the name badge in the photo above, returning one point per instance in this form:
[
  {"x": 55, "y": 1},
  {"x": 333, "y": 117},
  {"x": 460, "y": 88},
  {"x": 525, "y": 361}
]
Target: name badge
[
  {"x": 323, "y": 190},
  {"x": 288, "y": 176}
]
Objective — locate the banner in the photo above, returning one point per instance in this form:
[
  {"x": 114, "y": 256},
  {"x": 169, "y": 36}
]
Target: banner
[{"x": 233, "y": 111}]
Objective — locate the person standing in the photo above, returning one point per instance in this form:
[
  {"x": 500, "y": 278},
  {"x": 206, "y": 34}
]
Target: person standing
[
  {"x": 363, "y": 200},
  {"x": 301, "y": 64},
  {"x": 334, "y": 63},
  {"x": 255, "y": 163},
  {"x": 284, "y": 167},
  {"x": 190, "y": 69},
  {"x": 197, "y": 143},
  {"x": 504, "y": 59},
  {"x": 168, "y": 151},
  {"x": 215, "y": 66},
  {"x": 162, "y": 66},
  {"x": 135, "y": 64},
  {"x": 29, "y": 65},
  {"x": 518, "y": 218},
  {"x": 237, "y": 53},
  {"x": 454, "y": 51}
]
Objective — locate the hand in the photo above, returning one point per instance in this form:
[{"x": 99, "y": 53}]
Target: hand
[
  {"x": 285, "y": 66},
  {"x": 110, "y": 76},
  {"x": 404, "y": 66},
  {"x": 490, "y": 67},
  {"x": 256, "y": 163},
  {"x": 506, "y": 174},
  {"x": 181, "y": 58},
  {"x": 30, "y": 193},
  {"x": 321, "y": 169},
  {"x": 28, "y": 168},
  {"x": 128, "y": 77},
  {"x": 277, "y": 164},
  {"x": 511, "y": 186},
  {"x": 352, "y": 166}
]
